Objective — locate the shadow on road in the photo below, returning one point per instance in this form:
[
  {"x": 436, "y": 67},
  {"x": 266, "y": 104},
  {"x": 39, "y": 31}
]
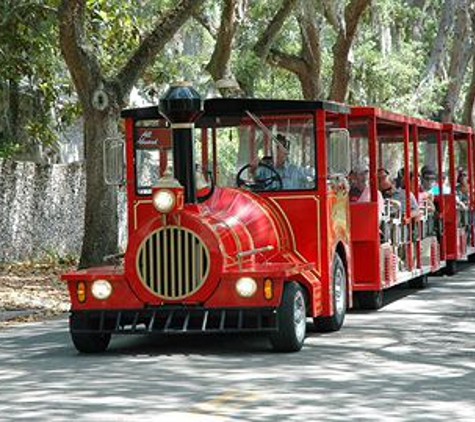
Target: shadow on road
[{"x": 411, "y": 360}]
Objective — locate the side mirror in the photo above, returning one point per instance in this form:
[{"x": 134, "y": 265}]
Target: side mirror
[
  {"x": 114, "y": 161},
  {"x": 338, "y": 152}
]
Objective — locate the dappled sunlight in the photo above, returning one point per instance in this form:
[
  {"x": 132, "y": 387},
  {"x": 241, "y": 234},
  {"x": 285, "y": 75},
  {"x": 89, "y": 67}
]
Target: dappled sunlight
[{"x": 413, "y": 359}]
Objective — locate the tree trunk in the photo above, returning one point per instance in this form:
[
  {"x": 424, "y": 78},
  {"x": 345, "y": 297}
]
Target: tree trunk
[
  {"x": 459, "y": 57},
  {"x": 101, "y": 220},
  {"x": 436, "y": 59},
  {"x": 262, "y": 47},
  {"x": 341, "y": 49},
  {"x": 13, "y": 108},
  {"x": 470, "y": 97},
  {"x": 219, "y": 66},
  {"x": 307, "y": 66},
  {"x": 101, "y": 99}
]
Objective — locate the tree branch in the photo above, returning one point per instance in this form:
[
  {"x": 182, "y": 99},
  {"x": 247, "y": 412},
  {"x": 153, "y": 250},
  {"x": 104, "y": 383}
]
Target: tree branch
[
  {"x": 286, "y": 61},
  {"x": 204, "y": 20},
  {"x": 341, "y": 49},
  {"x": 83, "y": 65},
  {"x": 333, "y": 13},
  {"x": 165, "y": 28},
  {"x": 264, "y": 43},
  {"x": 218, "y": 64}
]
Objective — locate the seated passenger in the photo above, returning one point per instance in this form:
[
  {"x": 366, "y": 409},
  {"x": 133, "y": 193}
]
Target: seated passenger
[
  {"x": 462, "y": 190},
  {"x": 400, "y": 195},
  {"x": 428, "y": 180},
  {"x": 358, "y": 179},
  {"x": 361, "y": 192},
  {"x": 385, "y": 185},
  {"x": 293, "y": 176}
]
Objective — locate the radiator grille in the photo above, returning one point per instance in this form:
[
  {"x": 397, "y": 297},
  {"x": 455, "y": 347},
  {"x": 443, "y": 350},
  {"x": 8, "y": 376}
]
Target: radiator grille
[{"x": 173, "y": 262}]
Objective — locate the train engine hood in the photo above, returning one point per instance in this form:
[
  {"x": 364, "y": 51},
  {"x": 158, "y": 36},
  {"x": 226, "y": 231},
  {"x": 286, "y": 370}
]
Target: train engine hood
[{"x": 181, "y": 257}]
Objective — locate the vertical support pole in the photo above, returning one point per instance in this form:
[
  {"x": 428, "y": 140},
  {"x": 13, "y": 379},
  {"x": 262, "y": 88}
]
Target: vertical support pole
[
  {"x": 415, "y": 157},
  {"x": 252, "y": 143},
  {"x": 407, "y": 183},
  {"x": 470, "y": 188},
  {"x": 215, "y": 156},
  {"x": 322, "y": 176},
  {"x": 440, "y": 181},
  {"x": 372, "y": 149},
  {"x": 267, "y": 149},
  {"x": 204, "y": 152},
  {"x": 452, "y": 176},
  {"x": 470, "y": 168},
  {"x": 130, "y": 173}
]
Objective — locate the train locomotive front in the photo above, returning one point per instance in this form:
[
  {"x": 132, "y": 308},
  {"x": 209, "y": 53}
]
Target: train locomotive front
[{"x": 205, "y": 259}]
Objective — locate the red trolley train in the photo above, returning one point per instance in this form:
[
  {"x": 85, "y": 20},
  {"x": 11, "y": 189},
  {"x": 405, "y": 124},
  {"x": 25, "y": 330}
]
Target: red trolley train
[{"x": 249, "y": 227}]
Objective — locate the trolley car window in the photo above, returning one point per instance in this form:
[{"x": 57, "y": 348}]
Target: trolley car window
[
  {"x": 267, "y": 153},
  {"x": 152, "y": 148}
]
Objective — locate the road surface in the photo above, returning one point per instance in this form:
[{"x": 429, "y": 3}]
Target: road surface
[{"x": 414, "y": 360}]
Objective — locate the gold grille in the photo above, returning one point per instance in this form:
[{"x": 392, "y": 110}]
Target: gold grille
[{"x": 173, "y": 262}]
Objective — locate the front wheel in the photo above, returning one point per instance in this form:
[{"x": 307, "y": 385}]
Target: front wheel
[
  {"x": 292, "y": 320},
  {"x": 88, "y": 342},
  {"x": 339, "y": 298}
]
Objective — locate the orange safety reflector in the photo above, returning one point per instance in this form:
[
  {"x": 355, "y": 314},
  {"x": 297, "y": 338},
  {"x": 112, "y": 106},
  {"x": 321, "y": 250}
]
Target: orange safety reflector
[
  {"x": 81, "y": 291},
  {"x": 268, "y": 289}
]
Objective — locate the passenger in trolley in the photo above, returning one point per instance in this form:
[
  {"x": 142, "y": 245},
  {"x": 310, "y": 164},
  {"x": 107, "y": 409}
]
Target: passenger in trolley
[
  {"x": 400, "y": 195},
  {"x": 360, "y": 189},
  {"x": 291, "y": 175}
]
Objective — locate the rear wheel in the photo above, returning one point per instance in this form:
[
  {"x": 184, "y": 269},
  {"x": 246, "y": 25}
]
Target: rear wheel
[
  {"x": 340, "y": 302},
  {"x": 471, "y": 258},
  {"x": 292, "y": 320},
  {"x": 419, "y": 283},
  {"x": 451, "y": 267},
  {"x": 88, "y": 342},
  {"x": 370, "y": 299}
]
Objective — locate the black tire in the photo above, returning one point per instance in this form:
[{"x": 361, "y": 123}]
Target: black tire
[
  {"x": 89, "y": 342},
  {"x": 471, "y": 258},
  {"x": 340, "y": 299},
  {"x": 291, "y": 316},
  {"x": 451, "y": 267},
  {"x": 371, "y": 300},
  {"x": 419, "y": 283}
]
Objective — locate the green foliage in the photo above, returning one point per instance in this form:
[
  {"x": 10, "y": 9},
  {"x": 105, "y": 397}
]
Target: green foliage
[
  {"x": 389, "y": 57},
  {"x": 33, "y": 83}
]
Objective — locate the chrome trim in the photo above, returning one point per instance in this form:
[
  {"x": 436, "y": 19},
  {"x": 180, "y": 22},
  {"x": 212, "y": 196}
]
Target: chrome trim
[{"x": 173, "y": 262}]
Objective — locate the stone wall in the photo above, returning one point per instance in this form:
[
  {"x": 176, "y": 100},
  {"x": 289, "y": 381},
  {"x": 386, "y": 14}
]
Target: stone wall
[{"x": 42, "y": 210}]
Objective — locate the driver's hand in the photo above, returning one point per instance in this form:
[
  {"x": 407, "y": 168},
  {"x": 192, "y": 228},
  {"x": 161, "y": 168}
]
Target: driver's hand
[{"x": 254, "y": 163}]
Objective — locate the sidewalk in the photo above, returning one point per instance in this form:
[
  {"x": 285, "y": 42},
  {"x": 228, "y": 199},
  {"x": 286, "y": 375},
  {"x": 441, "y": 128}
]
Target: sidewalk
[{"x": 29, "y": 292}]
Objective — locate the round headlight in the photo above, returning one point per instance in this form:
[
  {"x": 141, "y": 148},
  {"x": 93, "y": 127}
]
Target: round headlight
[
  {"x": 246, "y": 287},
  {"x": 101, "y": 289},
  {"x": 164, "y": 201}
]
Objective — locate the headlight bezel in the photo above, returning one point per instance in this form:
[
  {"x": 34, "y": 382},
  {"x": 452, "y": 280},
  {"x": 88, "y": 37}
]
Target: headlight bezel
[
  {"x": 246, "y": 287},
  {"x": 169, "y": 200},
  {"x": 101, "y": 289}
]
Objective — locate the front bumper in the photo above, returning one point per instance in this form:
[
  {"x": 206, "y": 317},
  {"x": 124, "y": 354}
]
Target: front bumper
[{"x": 175, "y": 320}]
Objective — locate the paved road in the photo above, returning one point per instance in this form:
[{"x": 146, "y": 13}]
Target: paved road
[{"x": 414, "y": 360}]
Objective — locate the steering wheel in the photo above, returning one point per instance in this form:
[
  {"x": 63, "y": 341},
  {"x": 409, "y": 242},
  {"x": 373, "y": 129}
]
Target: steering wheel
[{"x": 260, "y": 183}]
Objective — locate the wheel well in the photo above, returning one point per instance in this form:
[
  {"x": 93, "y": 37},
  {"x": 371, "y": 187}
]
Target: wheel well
[{"x": 340, "y": 250}]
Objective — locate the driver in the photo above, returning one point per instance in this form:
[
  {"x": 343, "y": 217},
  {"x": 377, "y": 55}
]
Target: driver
[{"x": 293, "y": 176}]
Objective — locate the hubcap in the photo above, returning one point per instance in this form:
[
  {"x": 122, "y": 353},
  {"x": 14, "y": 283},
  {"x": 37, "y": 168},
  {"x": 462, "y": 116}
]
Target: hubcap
[
  {"x": 300, "y": 316},
  {"x": 340, "y": 290}
]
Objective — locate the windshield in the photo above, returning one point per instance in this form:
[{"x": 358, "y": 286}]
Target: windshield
[{"x": 267, "y": 153}]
